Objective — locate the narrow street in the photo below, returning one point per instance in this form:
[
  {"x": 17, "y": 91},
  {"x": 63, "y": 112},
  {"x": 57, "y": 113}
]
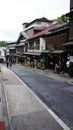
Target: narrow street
[
  {"x": 56, "y": 94},
  {"x": 25, "y": 110}
]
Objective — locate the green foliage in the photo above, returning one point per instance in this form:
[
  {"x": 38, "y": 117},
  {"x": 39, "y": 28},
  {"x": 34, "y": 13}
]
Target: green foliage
[
  {"x": 41, "y": 64},
  {"x": 61, "y": 18},
  {"x": 38, "y": 65},
  {"x": 3, "y": 43}
]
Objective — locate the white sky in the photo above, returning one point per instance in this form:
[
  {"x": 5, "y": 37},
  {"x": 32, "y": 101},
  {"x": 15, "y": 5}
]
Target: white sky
[{"x": 15, "y": 12}]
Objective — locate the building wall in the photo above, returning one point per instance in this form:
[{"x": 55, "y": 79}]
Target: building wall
[
  {"x": 2, "y": 53},
  {"x": 37, "y": 46},
  {"x": 39, "y": 24},
  {"x": 42, "y": 44},
  {"x": 71, "y": 4},
  {"x": 42, "y": 24},
  {"x": 30, "y": 32},
  {"x": 20, "y": 49},
  {"x": 71, "y": 22},
  {"x": 55, "y": 42},
  {"x": 71, "y": 30}
]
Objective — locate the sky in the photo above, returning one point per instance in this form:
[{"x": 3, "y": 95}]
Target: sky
[{"x": 13, "y": 13}]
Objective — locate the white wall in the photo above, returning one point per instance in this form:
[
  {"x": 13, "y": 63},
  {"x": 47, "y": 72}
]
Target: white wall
[
  {"x": 42, "y": 44},
  {"x": 41, "y": 24},
  {"x": 2, "y": 52}
]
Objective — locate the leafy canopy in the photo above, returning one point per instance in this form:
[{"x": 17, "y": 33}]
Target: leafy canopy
[
  {"x": 3, "y": 43},
  {"x": 62, "y": 18}
]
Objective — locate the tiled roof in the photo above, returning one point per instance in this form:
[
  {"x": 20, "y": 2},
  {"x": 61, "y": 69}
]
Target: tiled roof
[
  {"x": 47, "y": 30},
  {"x": 39, "y": 19},
  {"x": 24, "y": 34},
  {"x": 39, "y": 28}
]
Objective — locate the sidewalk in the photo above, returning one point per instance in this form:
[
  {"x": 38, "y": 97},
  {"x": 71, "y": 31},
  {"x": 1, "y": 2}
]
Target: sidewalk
[
  {"x": 50, "y": 73},
  {"x": 62, "y": 76},
  {"x": 25, "y": 110},
  {"x": 2, "y": 122}
]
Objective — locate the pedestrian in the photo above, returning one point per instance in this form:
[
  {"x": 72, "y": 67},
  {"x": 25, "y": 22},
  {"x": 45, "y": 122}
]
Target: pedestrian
[
  {"x": 10, "y": 62},
  {"x": 7, "y": 63},
  {"x": 57, "y": 67}
]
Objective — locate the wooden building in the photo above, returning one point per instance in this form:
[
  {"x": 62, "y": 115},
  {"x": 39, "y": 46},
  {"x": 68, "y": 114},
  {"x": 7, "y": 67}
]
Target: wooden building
[
  {"x": 51, "y": 38},
  {"x": 40, "y": 36},
  {"x": 56, "y": 37},
  {"x": 71, "y": 21},
  {"x": 26, "y": 47},
  {"x": 69, "y": 44},
  {"x": 11, "y": 51}
]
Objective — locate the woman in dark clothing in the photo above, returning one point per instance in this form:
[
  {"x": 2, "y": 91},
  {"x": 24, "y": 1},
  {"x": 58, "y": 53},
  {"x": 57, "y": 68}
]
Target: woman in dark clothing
[{"x": 7, "y": 63}]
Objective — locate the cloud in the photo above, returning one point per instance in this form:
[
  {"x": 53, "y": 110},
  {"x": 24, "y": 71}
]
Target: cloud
[
  {"x": 15, "y": 12},
  {"x": 7, "y": 35}
]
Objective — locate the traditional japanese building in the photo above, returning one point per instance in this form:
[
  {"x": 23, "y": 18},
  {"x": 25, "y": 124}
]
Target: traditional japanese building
[
  {"x": 69, "y": 44},
  {"x": 25, "y": 45},
  {"x": 42, "y": 37},
  {"x": 11, "y": 51}
]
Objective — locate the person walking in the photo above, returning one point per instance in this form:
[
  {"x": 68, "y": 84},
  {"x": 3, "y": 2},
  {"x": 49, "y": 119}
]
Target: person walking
[
  {"x": 10, "y": 62},
  {"x": 7, "y": 63}
]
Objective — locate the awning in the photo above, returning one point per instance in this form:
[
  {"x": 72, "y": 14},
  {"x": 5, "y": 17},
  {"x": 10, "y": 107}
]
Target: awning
[
  {"x": 46, "y": 51},
  {"x": 57, "y": 51},
  {"x": 68, "y": 44},
  {"x": 21, "y": 56},
  {"x": 33, "y": 53}
]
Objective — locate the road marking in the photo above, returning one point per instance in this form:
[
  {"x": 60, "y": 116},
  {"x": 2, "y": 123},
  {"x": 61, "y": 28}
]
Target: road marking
[{"x": 60, "y": 122}]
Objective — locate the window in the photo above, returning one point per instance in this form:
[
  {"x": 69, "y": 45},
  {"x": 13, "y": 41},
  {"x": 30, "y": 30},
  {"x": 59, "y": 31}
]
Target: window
[
  {"x": 31, "y": 45},
  {"x": 37, "y": 46}
]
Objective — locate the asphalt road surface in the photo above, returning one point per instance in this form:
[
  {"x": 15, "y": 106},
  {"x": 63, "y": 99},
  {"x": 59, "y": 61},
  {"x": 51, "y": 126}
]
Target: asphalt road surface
[{"x": 56, "y": 94}]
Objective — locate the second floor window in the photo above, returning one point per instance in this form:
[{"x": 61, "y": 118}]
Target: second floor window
[
  {"x": 31, "y": 45},
  {"x": 37, "y": 45}
]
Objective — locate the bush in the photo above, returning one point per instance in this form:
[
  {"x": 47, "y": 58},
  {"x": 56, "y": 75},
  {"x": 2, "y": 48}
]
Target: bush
[
  {"x": 41, "y": 65},
  {"x": 38, "y": 65}
]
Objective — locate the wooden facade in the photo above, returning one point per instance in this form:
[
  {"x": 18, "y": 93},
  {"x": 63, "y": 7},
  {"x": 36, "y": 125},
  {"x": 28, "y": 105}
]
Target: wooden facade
[
  {"x": 71, "y": 29},
  {"x": 71, "y": 21},
  {"x": 71, "y": 4},
  {"x": 55, "y": 40}
]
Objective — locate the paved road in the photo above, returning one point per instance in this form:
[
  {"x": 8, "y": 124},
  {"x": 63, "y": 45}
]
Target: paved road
[
  {"x": 25, "y": 109},
  {"x": 58, "y": 95}
]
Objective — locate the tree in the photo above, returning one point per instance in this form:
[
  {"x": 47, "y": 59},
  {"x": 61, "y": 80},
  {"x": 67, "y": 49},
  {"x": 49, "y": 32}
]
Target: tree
[
  {"x": 62, "y": 18},
  {"x": 3, "y": 43}
]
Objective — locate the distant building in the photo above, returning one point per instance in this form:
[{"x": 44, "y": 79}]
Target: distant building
[{"x": 2, "y": 54}]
